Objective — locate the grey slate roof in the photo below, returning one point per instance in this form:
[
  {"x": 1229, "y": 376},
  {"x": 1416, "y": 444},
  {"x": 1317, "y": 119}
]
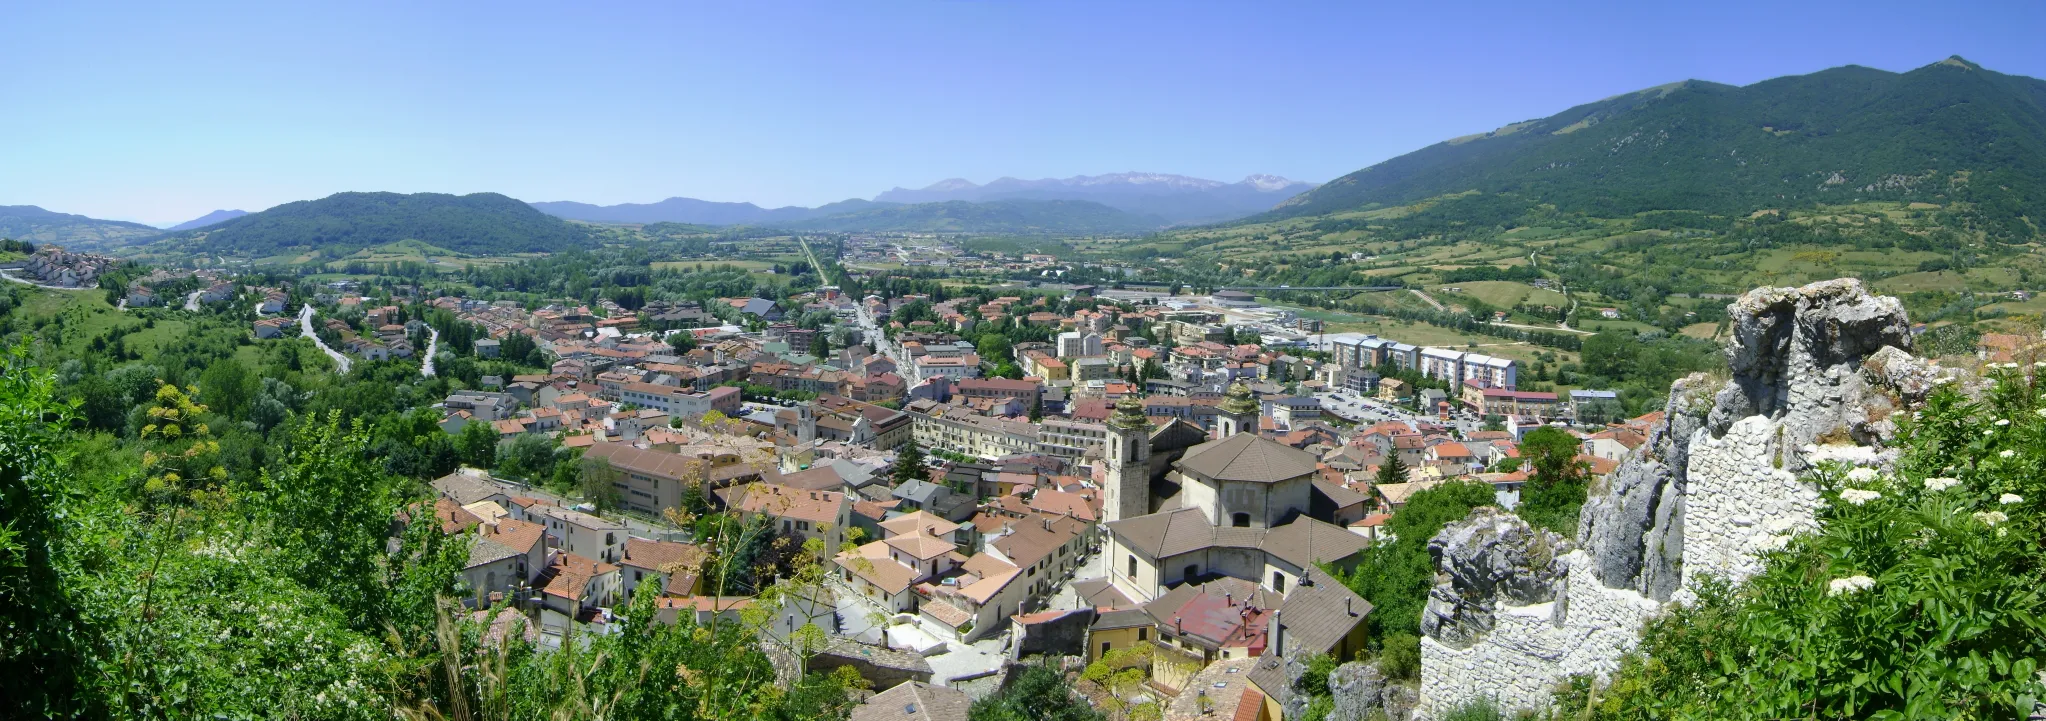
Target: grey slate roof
[
  {"x": 1319, "y": 613},
  {"x": 1247, "y": 457},
  {"x": 917, "y": 490},
  {"x": 465, "y": 489},
  {"x": 1302, "y": 543},
  {"x": 1122, "y": 618},
  {"x": 915, "y": 701},
  {"x": 485, "y": 551}
]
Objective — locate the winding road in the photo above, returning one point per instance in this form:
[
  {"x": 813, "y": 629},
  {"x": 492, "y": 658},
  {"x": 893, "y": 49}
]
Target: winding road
[
  {"x": 432, "y": 345},
  {"x": 305, "y": 325}
]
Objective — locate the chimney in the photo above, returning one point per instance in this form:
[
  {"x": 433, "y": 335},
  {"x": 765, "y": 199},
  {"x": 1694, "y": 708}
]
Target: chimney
[{"x": 1229, "y": 599}]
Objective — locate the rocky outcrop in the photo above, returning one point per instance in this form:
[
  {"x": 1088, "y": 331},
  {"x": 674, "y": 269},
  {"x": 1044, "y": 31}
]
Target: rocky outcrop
[
  {"x": 1356, "y": 688},
  {"x": 1815, "y": 374},
  {"x": 1492, "y": 558}
]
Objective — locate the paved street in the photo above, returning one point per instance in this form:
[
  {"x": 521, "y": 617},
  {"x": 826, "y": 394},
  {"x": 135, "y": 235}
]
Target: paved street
[
  {"x": 305, "y": 324},
  {"x": 1063, "y": 598}
]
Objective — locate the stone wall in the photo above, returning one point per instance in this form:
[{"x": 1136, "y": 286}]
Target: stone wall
[{"x": 1815, "y": 373}]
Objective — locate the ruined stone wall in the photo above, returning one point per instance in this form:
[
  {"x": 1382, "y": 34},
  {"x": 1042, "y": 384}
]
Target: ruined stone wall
[{"x": 1815, "y": 373}]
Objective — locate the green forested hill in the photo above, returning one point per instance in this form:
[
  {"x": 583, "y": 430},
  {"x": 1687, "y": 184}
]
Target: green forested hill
[
  {"x": 478, "y": 224},
  {"x": 36, "y": 225},
  {"x": 1029, "y": 217},
  {"x": 1944, "y": 133}
]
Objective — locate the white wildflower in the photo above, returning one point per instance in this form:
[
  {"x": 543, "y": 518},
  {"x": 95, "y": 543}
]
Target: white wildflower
[
  {"x": 2003, "y": 421},
  {"x": 2006, "y": 453},
  {"x": 1849, "y": 584},
  {"x": 2041, "y": 412},
  {"x": 1861, "y": 475},
  {"x": 2010, "y": 499},
  {"x": 1991, "y": 518},
  {"x": 1857, "y": 496},
  {"x": 1988, "y": 431},
  {"x": 1941, "y": 484}
]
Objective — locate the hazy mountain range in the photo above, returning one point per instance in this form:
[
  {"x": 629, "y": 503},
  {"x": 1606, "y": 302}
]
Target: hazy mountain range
[
  {"x": 212, "y": 218},
  {"x": 701, "y": 212},
  {"x": 1150, "y": 200},
  {"x": 1177, "y": 199}
]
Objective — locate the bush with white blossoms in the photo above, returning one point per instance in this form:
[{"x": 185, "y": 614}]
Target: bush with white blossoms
[
  {"x": 1849, "y": 584},
  {"x": 1917, "y": 599}
]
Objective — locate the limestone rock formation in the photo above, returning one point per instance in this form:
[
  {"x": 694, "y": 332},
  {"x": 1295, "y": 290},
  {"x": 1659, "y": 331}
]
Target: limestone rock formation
[
  {"x": 1797, "y": 357},
  {"x": 1816, "y": 374},
  {"x": 1356, "y": 688},
  {"x": 1491, "y": 557}
]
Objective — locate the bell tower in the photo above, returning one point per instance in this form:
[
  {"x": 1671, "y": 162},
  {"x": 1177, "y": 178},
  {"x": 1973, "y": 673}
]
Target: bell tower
[
  {"x": 1129, "y": 462},
  {"x": 1239, "y": 412}
]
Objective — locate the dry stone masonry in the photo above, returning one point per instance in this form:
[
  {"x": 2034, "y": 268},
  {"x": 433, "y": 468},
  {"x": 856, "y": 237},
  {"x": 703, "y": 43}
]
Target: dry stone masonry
[{"x": 1816, "y": 373}]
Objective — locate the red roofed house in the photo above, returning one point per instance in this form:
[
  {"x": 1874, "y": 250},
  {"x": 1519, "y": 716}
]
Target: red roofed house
[{"x": 575, "y": 585}]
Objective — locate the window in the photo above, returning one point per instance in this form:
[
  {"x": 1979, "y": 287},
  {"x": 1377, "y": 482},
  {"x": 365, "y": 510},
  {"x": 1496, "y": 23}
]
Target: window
[
  {"x": 1240, "y": 520},
  {"x": 610, "y": 539},
  {"x": 1104, "y": 648},
  {"x": 1279, "y": 581},
  {"x": 1133, "y": 567},
  {"x": 1143, "y": 634},
  {"x": 1190, "y": 572}
]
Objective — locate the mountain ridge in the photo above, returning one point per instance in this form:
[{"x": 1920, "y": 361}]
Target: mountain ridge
[
  {"x": 37, "y": 225},
  {"x": 477, "y": 224},
  {"x": 1947, "y": 131}
]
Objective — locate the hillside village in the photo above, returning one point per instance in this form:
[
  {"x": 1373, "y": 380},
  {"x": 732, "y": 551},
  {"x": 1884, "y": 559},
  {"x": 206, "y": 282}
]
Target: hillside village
[
  {"x": 1174, "y": 486},
  {"x": 1170, "y": 478}
]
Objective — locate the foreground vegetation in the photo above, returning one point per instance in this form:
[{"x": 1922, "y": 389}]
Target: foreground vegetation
[{"x": 1922, "y": 597}]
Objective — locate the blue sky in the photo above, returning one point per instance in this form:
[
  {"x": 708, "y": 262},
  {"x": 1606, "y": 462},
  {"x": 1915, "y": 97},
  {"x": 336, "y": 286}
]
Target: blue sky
[{"x": 162, "y": 112}]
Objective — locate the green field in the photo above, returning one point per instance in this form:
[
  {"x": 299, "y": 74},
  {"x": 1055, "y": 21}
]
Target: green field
[
  {"x": 709, "y": 263},
  {"x": 1507, "y": 293}
]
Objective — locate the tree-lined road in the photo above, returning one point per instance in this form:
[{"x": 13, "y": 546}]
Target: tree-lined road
[{"x": 305, "y": 325}]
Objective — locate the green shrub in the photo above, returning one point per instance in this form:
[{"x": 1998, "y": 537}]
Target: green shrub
[
  {"x": 1314, "y": 680},
  {"x": 1395, "y": 577},
  {"x": 1923, "y": 596},
  {"x": 1401, "y": 656},
  {"x": 1482, "y": 709}
]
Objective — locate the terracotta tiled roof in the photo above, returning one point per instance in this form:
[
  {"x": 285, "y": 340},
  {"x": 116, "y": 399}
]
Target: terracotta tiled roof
[
  {"x": 659, "y": 555},
  {"x": 922, "y": 547},
  {"x": 517, "y": 534},
  {"x": 871, "y": 562}
]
